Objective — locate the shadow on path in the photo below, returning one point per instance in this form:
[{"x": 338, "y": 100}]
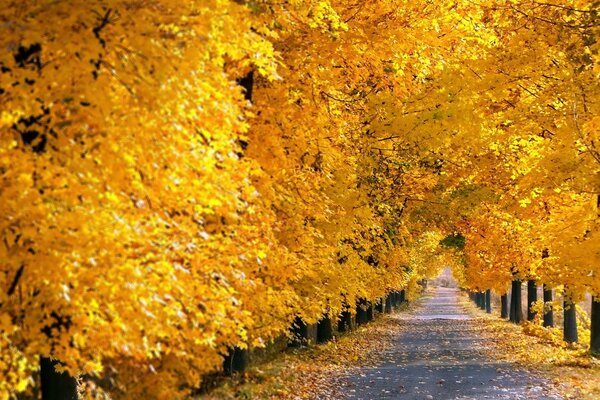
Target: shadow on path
[{"x": 439, "y": 355}]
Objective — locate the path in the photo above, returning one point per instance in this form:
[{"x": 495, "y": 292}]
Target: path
[{"x": 439, "y": 355}]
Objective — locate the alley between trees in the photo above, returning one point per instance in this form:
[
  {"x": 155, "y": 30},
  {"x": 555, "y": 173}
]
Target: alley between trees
[{"x": 441, "y": 355}]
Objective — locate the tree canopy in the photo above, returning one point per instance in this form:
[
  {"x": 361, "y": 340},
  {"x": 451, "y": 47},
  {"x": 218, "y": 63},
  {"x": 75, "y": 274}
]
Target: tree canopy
[{"x": 179, "y": 178}]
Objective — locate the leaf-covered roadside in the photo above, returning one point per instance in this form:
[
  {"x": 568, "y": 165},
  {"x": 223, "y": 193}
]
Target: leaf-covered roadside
[
  {"x": 313, "y": 372},
  {"x": 572, "y": 370}
]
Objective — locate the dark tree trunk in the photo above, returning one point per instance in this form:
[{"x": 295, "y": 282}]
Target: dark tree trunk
[
  {"x": 388, "y": 304},
  {"x": 570, "y": 322},
  {"x": 247, "y": 82},
  {"x": 531, "y": 298},
  {"x": 361, "y": 312},
  {"x": 300, "y": 333},
  {"x": 369, "y": 311},
  {"x": 324, "y": 330},
  {"x": 488, "y": 301},
  {"x": 380, "y": 306},
  {"x": 549, "y": 314},
  {"x": 236, "y": 361},
  {"x": 482, "y": 300},
  {"x": 504, "y": 306},
  {"x": 595, "y": 333},
  {"x": 516, "y": 306},
  {"x": 403, "y": 296},
  {"x": 345, "y": 322},
  {"x": 56, "y": 386}
]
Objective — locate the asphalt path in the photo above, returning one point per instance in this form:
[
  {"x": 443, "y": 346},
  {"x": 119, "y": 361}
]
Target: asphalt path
[{"x": 439, "y": 354}]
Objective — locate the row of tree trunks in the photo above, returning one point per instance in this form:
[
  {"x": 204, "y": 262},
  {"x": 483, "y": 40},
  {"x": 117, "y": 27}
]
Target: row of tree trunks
[
  {"x": 570, "y": 333},
  {"x": 513, "y": 310},
  {"x": 61, "y": 386},
  {"x": 483, "y": 300}
]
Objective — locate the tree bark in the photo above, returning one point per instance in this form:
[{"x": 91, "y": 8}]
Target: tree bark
[
  {"x": 236, "y": 361},
  {"x": 570, "y": 322},
  {"x": 595, "y": 333},
  {"x": 369, "y": 311},
  {"x": 516, "y": 306},
  {"x": 549, "y": 314},
  {"x": 361, "y": 312},
  {"x": 380, "y": 306},
  {"x": 345, "y": 322},
  {"x": 301, "y": 333},
  {"x": 488, "y": 301},
  {"x": 247, "y": 82},
  {"x": 324, "y": 330},
  {"x": 56, "y": 386},
  {"x": 482, "y": 300},
  {"x": 504, "y": 306},
  {"x": 388, "y": 304},
  {"x": 531, "y": 298}
]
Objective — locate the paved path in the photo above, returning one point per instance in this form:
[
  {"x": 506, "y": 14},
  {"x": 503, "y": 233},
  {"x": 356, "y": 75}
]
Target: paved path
[{"x": 438, "y": 355}]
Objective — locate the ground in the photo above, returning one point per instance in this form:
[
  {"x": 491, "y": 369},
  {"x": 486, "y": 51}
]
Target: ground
[
  {"x": 442, "y": 355},
  {"x": 439, "y": 347}
]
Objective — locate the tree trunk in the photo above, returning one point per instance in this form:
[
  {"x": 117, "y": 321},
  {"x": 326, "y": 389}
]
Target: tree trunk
[
  {"x": 247, "y": 82},
  {"x": 380, "y": 306},
  {"x": 361, "y": 312},
  {"x": 549, "y": 314},
  {"x": 345, "y": 321},
  {"x": 403, "y": 296},
  {"x": 388, "y": 304},
  {"x": 369, "y": 311},
  {"x": 236, "y": 361},
  {"x": 482, "y": 300},
  {"x": 324, "y": 330},
  {"x": 56, "y": 386},
  {"x": 595, "y": 333},
  {"x": 516, "y": 306},
  {"x": 531, "y": 298},
  {"x": 300, "y": 333},
  {"x": 504, "y": 306},
  {"x": 488, "y": 301},
  {"x": 570, "y": 322}
]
